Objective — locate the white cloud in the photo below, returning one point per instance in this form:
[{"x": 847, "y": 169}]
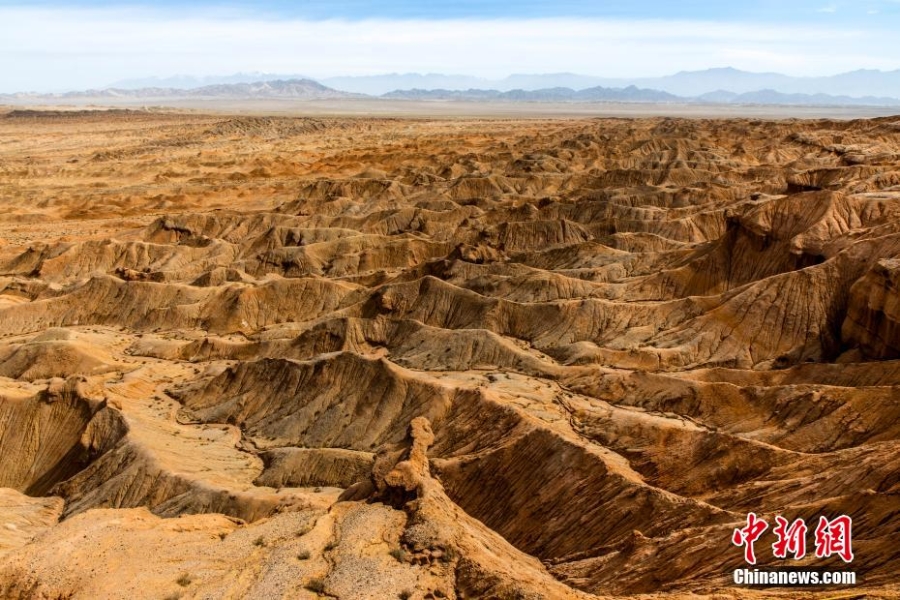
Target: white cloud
[{"x": 47, "y": 49}]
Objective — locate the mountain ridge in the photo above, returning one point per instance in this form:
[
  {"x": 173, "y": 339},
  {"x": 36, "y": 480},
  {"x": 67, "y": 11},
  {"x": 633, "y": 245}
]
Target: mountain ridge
[
  {"x": 862, "y": 82},
  {"x": 856, "y": 83},
  {"x": 308, "y": 90},
  {"x": 636, "y": 94}
]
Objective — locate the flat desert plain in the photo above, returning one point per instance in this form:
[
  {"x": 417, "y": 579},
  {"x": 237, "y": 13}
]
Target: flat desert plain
[{"x": 420, "y": 358}]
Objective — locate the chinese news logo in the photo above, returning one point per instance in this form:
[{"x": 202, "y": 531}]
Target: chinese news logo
[{"x": 832, "y": 538}]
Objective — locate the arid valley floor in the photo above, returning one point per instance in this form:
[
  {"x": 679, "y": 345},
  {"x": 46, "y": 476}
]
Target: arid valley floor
[{"x": 260, "y": 357}]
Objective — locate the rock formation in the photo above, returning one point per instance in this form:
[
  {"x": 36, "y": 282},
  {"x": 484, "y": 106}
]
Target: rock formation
[{"x": 381, "y": 358}]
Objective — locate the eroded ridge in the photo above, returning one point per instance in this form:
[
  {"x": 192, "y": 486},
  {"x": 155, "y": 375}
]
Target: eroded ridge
[{"x": 276, "y": 358}]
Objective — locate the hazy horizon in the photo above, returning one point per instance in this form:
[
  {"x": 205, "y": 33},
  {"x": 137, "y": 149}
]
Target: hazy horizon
[{"x": 73, "y": 45}]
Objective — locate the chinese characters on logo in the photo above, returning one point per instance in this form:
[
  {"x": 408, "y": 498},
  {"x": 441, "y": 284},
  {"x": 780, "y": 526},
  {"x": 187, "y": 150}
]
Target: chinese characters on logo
[
  {"x": 790, "y": 538},
  {"x": 832, "y": 538},
  {"x": 747, "y": 536}
]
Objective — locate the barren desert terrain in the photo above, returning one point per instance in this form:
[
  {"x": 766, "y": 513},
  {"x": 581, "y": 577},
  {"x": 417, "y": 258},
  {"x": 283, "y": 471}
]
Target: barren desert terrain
[{"x": 341, "y": 357}]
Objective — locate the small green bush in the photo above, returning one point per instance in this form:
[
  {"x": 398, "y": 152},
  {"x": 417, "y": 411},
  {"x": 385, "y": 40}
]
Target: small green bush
[{"x": 399, "y": 554}]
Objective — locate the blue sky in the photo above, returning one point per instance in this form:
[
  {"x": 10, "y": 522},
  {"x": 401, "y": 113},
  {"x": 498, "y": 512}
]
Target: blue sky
[
  {"x": 773, "y": 11},
  {"x": 56, "y": 45}
]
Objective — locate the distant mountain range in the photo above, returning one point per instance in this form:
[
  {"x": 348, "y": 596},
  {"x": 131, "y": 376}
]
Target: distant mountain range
[
  {"x": 307, "y": 89},
  {"x": 864, "y": 82},
  {"x": 557, "y": 94},
  {"x": 696, "y": 83},
  {"x": 687, "y": 83},
  {"x": 301, "y": 89},
  {"x": 636, "y": 94}
]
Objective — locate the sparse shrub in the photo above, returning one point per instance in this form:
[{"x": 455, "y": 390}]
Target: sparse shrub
[
  {"x": 304, "y": 555},
  {"x": 449, "y": 555},
  {"x": 223, "y": 535},
  {"x": 316, "y": 585},
  {"x": 184, "y": 580},
  {"x": 399, "y": 554},
  {"x": 260, "y": 541},
  {"x": 331, "y": 545},
  {"x": 405, "y": 595}
]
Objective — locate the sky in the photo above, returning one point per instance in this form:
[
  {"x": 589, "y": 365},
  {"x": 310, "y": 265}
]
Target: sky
[{"x": 56, "y": 45}]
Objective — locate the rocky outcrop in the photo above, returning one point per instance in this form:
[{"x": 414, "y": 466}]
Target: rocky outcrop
[
  {"x": 51, "y": 436},
  {"x": 873, "y": 313}
]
